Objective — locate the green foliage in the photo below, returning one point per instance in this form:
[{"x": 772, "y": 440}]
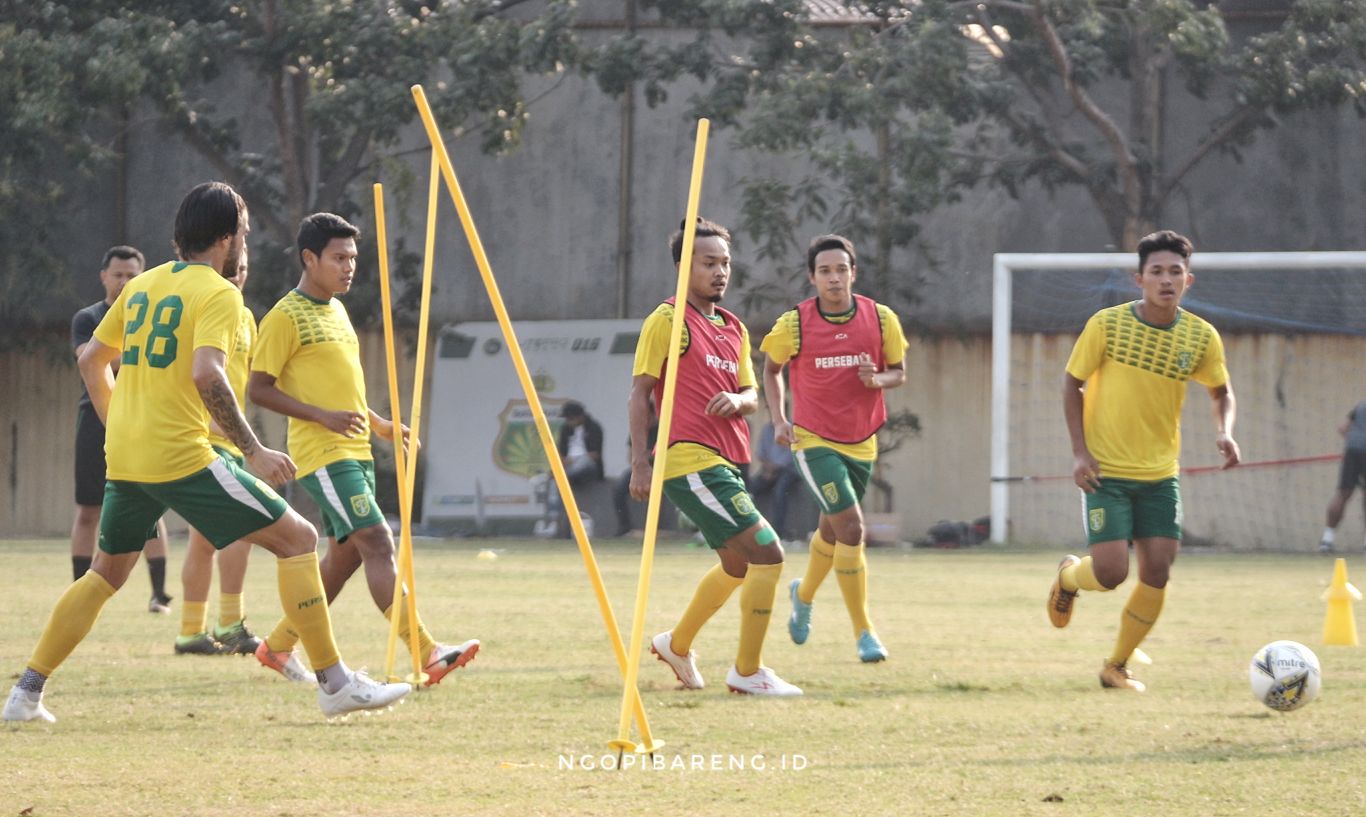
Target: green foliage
[
  {"x": 329, "y": 79},
  {"x": 901, "y": 106}
]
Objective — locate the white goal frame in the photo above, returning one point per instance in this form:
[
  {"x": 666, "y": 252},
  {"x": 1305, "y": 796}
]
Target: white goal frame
[{"x": 1003, "y": 268}]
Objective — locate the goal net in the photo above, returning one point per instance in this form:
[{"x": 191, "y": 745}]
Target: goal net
[{"x": 1294, "y": 332}]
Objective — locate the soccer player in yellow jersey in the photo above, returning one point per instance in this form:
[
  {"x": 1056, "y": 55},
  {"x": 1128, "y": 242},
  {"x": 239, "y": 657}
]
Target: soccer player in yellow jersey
[
  {"x": 231, "y": 634},
  {"x": 1122, "y": 395},
  {"x": 841, "y": 351},
  {"x": 306, "y": 366},
  {"x": 171, "y": 329},
  {"x": 708, "y": 439}
]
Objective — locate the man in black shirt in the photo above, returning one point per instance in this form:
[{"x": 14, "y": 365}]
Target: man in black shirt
[{"x": 120, "y": 265}]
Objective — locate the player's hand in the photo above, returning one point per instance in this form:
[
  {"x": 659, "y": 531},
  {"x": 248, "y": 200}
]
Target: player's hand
[
  {"x": 724, "y": 404},
  {"x": 275, "y": 467},
  {"x": 345, "y": 423},
  {"x": 1229, "y": 448},
  {"x": 641, "y": 474},
  {"x": 1086, "y": 472},
  {"x": 867, "y": 372},
  {"x": 782, "y": 433}
]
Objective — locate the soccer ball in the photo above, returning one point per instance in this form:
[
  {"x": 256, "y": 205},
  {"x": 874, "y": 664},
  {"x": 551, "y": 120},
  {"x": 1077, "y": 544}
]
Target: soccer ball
[{"x": 1285, "y": 675}]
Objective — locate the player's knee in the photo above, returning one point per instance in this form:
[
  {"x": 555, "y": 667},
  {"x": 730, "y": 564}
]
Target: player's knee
[
  {"x": 1111, "y": 576},
  {"x": 849, "y": 532},
  {"x": 767, "y": 549},
  {"x": 375, "y": 540}
]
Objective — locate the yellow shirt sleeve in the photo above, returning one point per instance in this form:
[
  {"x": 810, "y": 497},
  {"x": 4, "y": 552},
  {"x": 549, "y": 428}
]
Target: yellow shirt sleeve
[
  {"x": 276, "y": 342},
  {"x": 780, "y": 344},
  {"x": 652, "y": 349},
  {"x": 110, "y": 330},
  {"x": 219, "y": 318},
  {"x": 1212, "y": 371},
  {"x": 893, "y": 338},
  {"x": 745, "y": 376},
  {"x": 1089, "y": 351}
]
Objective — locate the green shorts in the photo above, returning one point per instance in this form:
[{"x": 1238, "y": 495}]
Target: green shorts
[
  {"x": 1129, "y": 509},
  {"x": 239, "y": 461},
  {"x": 345, "y": 493},
  {"x": 221, "y": 501},
  {"x": 716, "y": 500},
  {"x": 837, "y": 481}
]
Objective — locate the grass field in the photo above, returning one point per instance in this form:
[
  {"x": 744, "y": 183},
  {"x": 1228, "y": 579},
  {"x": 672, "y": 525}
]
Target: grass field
[{"x": 983, "y": 708}]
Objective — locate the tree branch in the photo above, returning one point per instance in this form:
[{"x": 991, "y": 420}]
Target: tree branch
[
  {"x": 1220, "y": 135},
  {"x": 232, "y": 173},
  {"x": 1119, "y": 146}
]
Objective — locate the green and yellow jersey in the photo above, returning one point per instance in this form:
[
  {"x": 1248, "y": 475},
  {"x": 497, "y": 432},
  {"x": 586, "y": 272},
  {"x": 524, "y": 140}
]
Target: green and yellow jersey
[
  {"x": 310, "y": 348},
  {"x": 784, "y": 341},
  {"x": 1135, "y": 375},
  {"x": 239, "y": 366},
  {"x": 158, "y": 427},
  {"x": 652, "y": 350}
]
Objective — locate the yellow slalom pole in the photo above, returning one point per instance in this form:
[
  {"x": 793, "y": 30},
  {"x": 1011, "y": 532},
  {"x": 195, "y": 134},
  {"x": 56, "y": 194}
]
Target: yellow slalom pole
[
  {"x": 648, "y": 743},
  {"x": 406, "y": 558},
  {"x": 400, "y": 470},
  {"x": 666, "y": 410}
]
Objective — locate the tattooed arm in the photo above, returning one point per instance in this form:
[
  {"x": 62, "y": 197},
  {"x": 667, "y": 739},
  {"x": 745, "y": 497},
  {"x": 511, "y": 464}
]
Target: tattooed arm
[{"x": 211, "y": 379}]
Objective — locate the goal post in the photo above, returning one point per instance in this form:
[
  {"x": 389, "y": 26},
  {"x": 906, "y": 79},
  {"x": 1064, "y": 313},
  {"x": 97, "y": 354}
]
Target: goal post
[{"x": 1005, "y": 266}]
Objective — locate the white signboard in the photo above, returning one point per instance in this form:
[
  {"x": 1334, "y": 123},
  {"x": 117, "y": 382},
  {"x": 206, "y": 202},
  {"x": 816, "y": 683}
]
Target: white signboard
[{"x": 484, "y": 458}]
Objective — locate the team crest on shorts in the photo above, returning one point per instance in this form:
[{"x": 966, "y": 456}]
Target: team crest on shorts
[
  {"x": 1096, "y": 519},
  {"x": 360, "y": 505},
  {"x": 743, "y": 504},
  {"x": 830, "y": 492}
]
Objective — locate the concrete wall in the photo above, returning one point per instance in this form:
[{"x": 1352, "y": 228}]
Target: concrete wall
[{"x": 1292, "y": 392}]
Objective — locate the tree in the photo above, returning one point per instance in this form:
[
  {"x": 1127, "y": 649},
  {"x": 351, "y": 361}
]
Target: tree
[
  {"x": 904, "y": 105},
  {"x": 332, "y": 79}
]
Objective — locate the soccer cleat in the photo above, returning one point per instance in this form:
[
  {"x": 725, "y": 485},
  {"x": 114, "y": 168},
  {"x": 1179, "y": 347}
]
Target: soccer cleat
[
  {"x": 799, "y": 623},
  {"x": 361, "y": 693},
  {"x": 1118, "y": 676},
  {"x": 237, "y": 639},
  {"x": 26, "y": 706},
  {"x": 684, "y": 666},
  {"x": 1059, "y": 600},
  {"x": 159, "y": 605},
  {"x": 199, "y": 644},
  {"x": 1326, "y": 547},
  {"x": 870, "y": 650},
  {"x": 763, "y": 682},
  {"x": 285, "y": 663},
  {"x": 443, "y": 659}
]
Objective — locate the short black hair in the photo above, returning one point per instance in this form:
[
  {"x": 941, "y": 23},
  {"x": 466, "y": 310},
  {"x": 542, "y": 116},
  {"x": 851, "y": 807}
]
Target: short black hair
[
  {"x": 209, "y": 212},
  {"x": 821, "y": 243},
  {"x": 572, "y": 408},
  {"x": 1168, "y": 240},
  {"x": 122, "y": 251},
  {"x": 317, "y": 230},
  {"x": 705, "y": 229}
]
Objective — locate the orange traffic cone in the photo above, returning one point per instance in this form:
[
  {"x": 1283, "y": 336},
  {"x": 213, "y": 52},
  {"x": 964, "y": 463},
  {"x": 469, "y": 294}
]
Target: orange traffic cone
[{"x": 1339, "y": 625}]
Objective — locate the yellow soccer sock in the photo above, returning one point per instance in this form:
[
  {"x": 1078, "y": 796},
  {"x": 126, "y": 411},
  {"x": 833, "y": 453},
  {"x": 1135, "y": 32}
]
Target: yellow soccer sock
[
  {"x": 711, "y": 593},
  {"x": 1081, "y": 576},
  {"x": 305, "y": 603},
  {"x": 851, "y": 571},
  {"x": 71, "y": 619},
  {"x": 425, "y": 642},
  {"x": 1139, "y": 615},
  {"x": 194, "y": 617},
  {"x": 283, "y": 637},
  {"x": 230, "y": 609},
  {"x": 817, "y": 567},
  {"x": 756, "y": 608}
]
